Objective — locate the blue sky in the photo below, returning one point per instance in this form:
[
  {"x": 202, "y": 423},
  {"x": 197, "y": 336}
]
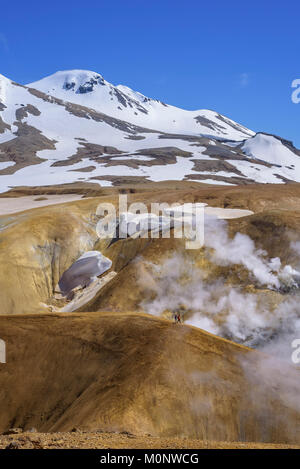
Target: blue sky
[{"x": 238, "y": 58}]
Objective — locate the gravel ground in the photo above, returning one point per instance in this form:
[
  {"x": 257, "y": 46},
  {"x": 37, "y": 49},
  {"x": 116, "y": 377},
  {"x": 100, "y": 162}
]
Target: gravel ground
[{"x": 99, "y": 440}]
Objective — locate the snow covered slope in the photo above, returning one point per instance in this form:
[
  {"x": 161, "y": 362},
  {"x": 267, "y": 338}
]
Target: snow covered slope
[
  {"x": 46, "y": 140},
  {"x": 90, "y": 89}
]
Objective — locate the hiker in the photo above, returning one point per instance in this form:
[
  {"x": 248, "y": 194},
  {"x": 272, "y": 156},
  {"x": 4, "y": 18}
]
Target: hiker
[{"x": 177, "y": 318}]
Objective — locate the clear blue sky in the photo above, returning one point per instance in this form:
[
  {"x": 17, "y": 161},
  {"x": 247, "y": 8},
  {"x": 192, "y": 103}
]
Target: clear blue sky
[{"x": 238, "y": 58}]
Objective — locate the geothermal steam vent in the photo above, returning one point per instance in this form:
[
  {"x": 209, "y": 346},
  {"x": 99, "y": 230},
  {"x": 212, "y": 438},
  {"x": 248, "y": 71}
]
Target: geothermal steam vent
[{"x": 83, "y": 271}]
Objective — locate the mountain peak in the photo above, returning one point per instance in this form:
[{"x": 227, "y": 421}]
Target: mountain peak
[{"x": 78, "y": 81}]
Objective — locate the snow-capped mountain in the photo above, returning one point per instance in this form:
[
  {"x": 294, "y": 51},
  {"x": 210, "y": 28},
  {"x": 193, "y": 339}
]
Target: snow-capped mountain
[
  {"x": 91, "y": 90},
  {"x": 75, "y": 126}
]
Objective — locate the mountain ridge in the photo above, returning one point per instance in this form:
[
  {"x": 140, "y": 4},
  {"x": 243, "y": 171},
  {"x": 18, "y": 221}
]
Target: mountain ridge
[
  {"x": 91, "y": 89},
  {"x": 48, "y": 139}
]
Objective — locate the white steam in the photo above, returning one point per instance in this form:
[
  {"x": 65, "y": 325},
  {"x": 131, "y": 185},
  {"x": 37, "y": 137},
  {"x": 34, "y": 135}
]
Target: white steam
[
  {"x": 241, "y": 251},
  {"x": 224, "y": 310}
]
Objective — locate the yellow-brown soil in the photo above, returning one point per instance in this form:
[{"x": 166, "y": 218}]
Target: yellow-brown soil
[
  {"x": 38, "y": 245},
  {"x": 141, "y": 374},
  {"x": 111, "y": 371}
]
